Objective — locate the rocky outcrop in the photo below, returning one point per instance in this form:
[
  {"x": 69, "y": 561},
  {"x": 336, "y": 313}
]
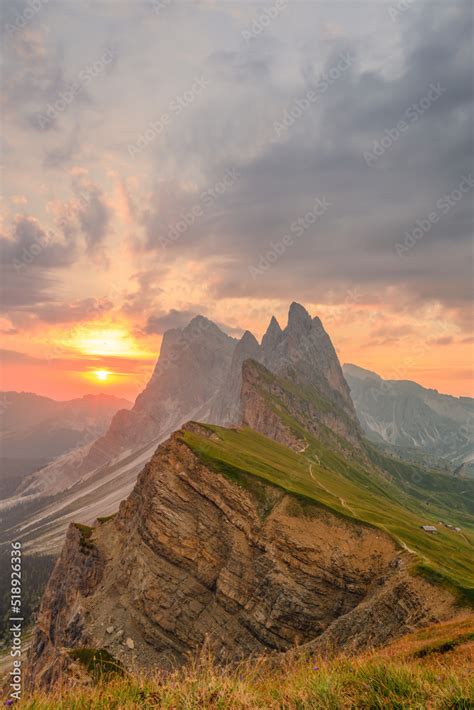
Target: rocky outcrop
[
  {"x": 262, "y": 406},
  {"x": 403, "y": 601},
  {"x": 301, "y": 353},
  {"x": 272, "y": 336},
  {"x": 226, "y": 409},
  {"x": 193, "y": 558},
  {"x": 62, "y": 623},
  {"x": 304, "y": 353},
  {"x": 279, "y": 409}
]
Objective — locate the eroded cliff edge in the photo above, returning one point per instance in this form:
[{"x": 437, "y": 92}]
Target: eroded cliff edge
[{"x": 193, "y": 557}]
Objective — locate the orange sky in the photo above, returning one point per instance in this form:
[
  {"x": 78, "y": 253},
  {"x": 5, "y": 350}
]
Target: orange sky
[{"x": 64, "y": 362}]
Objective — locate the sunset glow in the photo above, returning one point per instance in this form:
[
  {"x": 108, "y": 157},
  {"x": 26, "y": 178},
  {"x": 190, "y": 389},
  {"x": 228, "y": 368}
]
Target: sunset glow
[
  {"x": 102, "y": 375},
  {"x": 113, "y": 341}
]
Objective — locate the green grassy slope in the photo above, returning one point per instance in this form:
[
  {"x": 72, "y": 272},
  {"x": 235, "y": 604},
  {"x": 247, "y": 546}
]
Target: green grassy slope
[{"x": 351, "y": 489}]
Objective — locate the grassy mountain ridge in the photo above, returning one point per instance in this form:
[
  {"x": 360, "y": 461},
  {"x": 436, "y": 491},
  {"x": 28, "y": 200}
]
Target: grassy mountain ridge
[{"x": 347, "y": 488}]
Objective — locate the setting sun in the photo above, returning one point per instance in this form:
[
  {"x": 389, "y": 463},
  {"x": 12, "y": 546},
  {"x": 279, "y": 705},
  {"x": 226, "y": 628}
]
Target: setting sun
[{"x": 102, "y": 375}]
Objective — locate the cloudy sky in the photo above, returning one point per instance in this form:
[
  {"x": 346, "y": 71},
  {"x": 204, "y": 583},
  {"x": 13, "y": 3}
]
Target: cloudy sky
[{"x": 162, "y": 158}]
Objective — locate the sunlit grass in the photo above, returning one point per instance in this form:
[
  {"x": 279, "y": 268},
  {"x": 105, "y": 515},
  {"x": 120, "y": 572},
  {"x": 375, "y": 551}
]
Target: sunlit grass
[{"x": 391, "y": 678}]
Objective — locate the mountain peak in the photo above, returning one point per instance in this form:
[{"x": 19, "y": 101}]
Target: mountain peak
[
  {"x": 201, "y": 324},
  {"x": 274, "y": 325},
  {"x": 272, "y": 334},
  {"x": 298, "y": 317},
  {"x": 248, "y": 342}
]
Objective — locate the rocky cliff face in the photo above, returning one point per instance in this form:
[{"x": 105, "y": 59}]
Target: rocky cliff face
[
  {"x": 303, "y": 352},
  {"x": 192, "y": 558},
  {"x": 278, "y": 408},
  {"x": 262, "y": 398},
  {"x": 226, "y": 409},
  {"x": 75, "y": 577}
]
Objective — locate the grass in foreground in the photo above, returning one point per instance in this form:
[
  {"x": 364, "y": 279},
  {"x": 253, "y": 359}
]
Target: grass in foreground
[{"x": 398, "y": 676}]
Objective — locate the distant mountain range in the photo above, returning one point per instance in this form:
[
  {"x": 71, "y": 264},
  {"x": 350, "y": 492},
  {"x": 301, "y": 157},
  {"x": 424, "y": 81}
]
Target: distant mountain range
[
  {"x": 414, "y": 420},
  {"x": 34, "y": 430}
]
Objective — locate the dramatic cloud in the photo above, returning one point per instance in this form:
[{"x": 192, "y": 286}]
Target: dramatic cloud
[
  {"x": 377, "y": 200},
  {"x": 86, "y": 309},
  {"x": 146, "y": 295},
  {"x": 27, "y": 259},
  {"x": 93, "y": 217}
]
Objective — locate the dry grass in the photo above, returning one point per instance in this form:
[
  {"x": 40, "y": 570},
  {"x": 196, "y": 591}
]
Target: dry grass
[{"x": 392, "y": 677}]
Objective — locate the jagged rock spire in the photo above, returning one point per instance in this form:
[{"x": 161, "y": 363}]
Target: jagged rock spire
[
  {"x": 299, "y": 319},
  {"x": 247, "y": 345},
  {"x": 272, "y": 335}
]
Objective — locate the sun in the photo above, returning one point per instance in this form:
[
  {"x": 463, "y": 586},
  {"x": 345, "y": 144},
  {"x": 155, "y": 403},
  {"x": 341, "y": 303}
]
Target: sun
[{"x": 102, "y": 375}]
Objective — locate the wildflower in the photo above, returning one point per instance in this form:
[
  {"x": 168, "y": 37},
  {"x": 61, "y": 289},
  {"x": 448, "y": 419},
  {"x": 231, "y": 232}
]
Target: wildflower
[
  {"x": 316, "y": 668},
  {"x": 9, "y": 702}
]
